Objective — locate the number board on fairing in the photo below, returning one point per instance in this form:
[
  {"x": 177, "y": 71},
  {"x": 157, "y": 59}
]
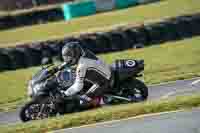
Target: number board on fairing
[{"x": 130, "y": 63}]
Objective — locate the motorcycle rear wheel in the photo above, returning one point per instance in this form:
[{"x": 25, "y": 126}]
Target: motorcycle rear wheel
[{"x": 135, "y": 90}]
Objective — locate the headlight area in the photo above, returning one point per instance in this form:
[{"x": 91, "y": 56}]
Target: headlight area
[
  {"x": 29, "y": 89},
  {"x": 33, "y": 89}
]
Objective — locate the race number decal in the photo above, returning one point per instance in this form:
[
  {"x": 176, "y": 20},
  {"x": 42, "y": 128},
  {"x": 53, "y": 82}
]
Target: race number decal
[{"x": 130, "y": 63}]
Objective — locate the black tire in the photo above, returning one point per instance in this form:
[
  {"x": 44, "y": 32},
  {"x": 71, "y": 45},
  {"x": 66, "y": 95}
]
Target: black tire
[
  {"x": 38, "y": 101},
  {"x": 134, "y": 85},
  {"x": 22, "y": 114},
  {"x": 5, "y": 61}
]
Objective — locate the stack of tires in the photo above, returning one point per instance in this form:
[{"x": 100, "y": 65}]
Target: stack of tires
[
  {"x": 29, "y": 55},
  {"x": 30, "y": 18},
  {"x": 137, "y": 37},
  {"x": 119, "y": 39}
]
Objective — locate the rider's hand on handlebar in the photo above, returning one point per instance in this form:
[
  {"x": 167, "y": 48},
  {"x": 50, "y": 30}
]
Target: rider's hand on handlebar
[
  {"x": 63, "y": 93},
  {"x": 60, "y": 67}
]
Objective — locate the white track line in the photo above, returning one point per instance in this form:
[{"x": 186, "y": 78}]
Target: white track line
[
  {"x": 195, "y": 82},
  {"x": 168, "y": 95},
  {"x": 178, "y": 92},
  {"x": 115, "y": 121},
  {"x": 171, "y": 82}
]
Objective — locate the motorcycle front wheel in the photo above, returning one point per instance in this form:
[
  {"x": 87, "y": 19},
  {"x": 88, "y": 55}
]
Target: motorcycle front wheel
[{"x": 37, "y": 108}]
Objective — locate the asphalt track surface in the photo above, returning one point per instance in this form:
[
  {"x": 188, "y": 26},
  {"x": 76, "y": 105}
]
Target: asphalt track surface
[
  {"x": 161, "y": 91},
  {"x": 175, "y": 122}
]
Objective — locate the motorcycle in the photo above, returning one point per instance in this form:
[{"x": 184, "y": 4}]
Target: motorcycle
[{"x": 46, "y": 86}]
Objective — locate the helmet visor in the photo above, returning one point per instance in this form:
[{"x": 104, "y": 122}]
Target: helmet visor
[{"x": 68, "y": 57}]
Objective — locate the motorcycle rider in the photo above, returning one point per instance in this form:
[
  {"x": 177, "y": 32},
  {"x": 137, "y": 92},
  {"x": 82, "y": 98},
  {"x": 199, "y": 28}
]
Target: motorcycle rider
[{"x": 89, "y": 68}]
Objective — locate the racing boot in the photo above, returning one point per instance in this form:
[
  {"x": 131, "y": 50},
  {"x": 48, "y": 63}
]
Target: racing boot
[{"x": 89, "y": 102}]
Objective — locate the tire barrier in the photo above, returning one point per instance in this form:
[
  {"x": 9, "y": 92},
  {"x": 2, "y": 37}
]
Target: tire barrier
[
  {"x": 196, "y": 22},
  {"x": 13, "y": 5},
  {"x": 7, "y": 22},
  {"x": 30, "y": 18},
  {"x": 146, "y": 1},
  {"x": 5, "y": 61},
  {"x": 182, "y": 27},
  {"x": 56, "y": 47},
  {"x": 137, "y": 35},
  {"x": 66, "y": 12},
  {"x": 156, "y": 33},
  {"x": 17, "y": 57},
  {"x": 33, "y": 56},
  {"x": 122, "y": 38},
  {"x": 118, "y": 40},
  {"x": 162, "y": 31},
  {"x": 170, "y": 31},
  {"x": 90, "y": 42},
  {"x": 104, "y": 5},
  {"x": 103, "y": 43}
]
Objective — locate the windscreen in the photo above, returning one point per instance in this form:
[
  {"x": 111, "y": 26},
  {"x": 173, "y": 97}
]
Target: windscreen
[{"x": 39, "y": 76}]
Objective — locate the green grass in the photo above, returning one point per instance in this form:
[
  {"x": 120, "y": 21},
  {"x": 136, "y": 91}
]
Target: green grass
[
  {"x": 102, "y": 21},
  {"x": 104, "y": 114},
  {"x": 172, "y": 61},
  {"x": 3, "y": 13},
  {"x": 13, "y": 87}
]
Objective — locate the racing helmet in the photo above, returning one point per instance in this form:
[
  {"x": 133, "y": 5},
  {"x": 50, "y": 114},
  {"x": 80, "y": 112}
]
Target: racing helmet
[{"x": 71, "y": 52}]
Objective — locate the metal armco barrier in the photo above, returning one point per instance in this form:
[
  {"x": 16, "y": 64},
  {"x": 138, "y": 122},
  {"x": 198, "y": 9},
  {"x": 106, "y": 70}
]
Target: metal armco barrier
[
  {"x": 122, "y": 38},
  {"x": 125, "y": 3},
  {"x": 146, "y": 1},
  {"x": 74, "y": 10},
  {"x": 104, "y": 5}
]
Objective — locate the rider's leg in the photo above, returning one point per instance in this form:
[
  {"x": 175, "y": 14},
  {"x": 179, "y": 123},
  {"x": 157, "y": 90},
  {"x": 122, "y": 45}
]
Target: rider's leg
[{"x": 94, "y": 94}]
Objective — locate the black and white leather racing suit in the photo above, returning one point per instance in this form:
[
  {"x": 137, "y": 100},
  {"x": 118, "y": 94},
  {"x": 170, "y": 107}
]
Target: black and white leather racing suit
[{"x": 93, "y": 70}]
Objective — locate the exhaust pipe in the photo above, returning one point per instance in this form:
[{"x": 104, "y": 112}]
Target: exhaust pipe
[{"x": 118, "y": 97}]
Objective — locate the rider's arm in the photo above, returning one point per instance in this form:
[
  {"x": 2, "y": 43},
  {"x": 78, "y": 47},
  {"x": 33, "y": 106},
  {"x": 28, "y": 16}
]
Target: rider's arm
[
  {"x": 78, "y": 84},
  {"x": 60, "y": 67}
]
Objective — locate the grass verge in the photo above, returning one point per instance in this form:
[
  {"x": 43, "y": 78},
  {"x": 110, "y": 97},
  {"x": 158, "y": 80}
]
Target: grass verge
[
  {"x": 99, "y": 22},
  {"x": 167, "y": 62},
  {"x": 104, "y": 114}
]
